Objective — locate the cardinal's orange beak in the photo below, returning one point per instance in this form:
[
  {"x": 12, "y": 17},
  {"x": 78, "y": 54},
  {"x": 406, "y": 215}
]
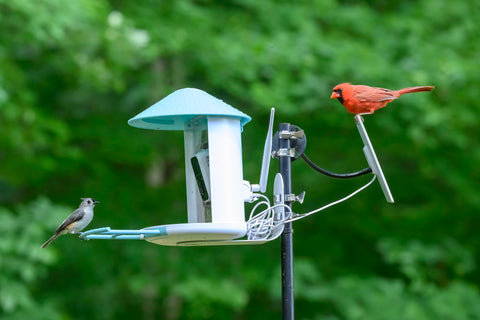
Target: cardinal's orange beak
[{"x": 334, "y": 95}]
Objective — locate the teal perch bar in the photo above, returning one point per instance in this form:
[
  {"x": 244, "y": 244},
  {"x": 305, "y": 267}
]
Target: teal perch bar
[{"x": 109, "y": 234}]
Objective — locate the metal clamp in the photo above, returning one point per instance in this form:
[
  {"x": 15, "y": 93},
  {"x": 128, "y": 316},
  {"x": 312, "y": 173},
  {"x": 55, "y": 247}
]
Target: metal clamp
[
  {"x": 285, "y": 134},
  {"x": 293, "y": 134},
  {"x": 284, "y": 152},
  {"x": 292, "y": 198}
]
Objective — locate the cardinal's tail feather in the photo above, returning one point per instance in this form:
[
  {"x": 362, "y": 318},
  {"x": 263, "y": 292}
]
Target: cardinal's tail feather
[
  {"x": 414, "y": 89},
  {"x": 55, "y": 236}
]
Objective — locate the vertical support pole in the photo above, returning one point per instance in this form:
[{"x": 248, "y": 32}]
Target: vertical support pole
[{"x": 287, "y": 236}]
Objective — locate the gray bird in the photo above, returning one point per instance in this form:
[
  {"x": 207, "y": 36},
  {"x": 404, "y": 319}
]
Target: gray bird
[{"x": 75, "y": 222}]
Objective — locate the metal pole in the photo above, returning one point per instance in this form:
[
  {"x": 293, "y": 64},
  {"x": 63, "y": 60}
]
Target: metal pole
[{"x": 287, "y": 235}]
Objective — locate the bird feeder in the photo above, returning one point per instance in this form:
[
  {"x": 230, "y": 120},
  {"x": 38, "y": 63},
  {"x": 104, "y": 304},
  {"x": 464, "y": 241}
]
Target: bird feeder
[
  {"x": 213, "y": 164},
  {"x": 215, "y": 189}
]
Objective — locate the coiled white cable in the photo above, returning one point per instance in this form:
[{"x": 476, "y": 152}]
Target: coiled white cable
[{"x": 266, "y": 226}]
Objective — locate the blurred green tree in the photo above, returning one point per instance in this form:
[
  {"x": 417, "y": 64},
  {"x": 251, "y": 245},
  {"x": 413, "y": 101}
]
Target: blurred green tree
[{"x": 72, "y": 74}]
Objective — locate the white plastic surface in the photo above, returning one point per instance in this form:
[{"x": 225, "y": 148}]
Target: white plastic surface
[
  {"x": 267, "y": 154},
  {"x": 190, "y": 234},
  {"x": 226, "y": 172},
  {"x": 278, "y": 196},
  {"x": 372, "y": 159}
]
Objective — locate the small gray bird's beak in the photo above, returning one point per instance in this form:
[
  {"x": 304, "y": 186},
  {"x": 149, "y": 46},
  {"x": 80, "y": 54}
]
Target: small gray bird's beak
[{"x": 96, "y": 202}]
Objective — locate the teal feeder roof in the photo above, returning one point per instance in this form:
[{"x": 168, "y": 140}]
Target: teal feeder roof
[{"x": 174, "y": 110}]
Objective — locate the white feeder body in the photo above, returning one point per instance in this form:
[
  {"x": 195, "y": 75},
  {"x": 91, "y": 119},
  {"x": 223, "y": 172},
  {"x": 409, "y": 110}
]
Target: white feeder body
[
  {"x": 226, "y": 174},
  {"x": 213, "y": 167}
]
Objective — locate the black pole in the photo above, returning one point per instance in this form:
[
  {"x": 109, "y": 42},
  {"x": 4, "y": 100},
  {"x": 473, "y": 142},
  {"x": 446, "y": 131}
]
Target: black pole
[{"x": 287, "y": 235}]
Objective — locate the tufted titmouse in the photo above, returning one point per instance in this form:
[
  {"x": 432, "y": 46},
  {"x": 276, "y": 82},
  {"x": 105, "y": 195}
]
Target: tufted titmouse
[{"x": 75, "y": 222}]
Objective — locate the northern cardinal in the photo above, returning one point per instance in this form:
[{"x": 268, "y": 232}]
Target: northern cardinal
[{"x": 358, "y": 99}]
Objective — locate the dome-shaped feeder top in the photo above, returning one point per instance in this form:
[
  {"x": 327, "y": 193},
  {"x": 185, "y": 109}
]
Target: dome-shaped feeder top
[{"x": 174, "y": 110}]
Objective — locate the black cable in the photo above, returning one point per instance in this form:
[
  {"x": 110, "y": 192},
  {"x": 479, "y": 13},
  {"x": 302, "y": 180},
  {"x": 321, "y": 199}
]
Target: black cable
[{"x": 335, "y": 175}]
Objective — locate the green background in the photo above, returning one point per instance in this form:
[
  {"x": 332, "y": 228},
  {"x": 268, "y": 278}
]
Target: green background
[{"x": 73, "y": 72}]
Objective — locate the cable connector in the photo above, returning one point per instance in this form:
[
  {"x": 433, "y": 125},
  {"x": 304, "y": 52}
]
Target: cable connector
[{"x": 248, "y": 190}]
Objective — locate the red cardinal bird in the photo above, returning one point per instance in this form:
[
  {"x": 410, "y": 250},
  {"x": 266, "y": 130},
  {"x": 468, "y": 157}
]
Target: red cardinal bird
[{"x": 365, "y": 100}]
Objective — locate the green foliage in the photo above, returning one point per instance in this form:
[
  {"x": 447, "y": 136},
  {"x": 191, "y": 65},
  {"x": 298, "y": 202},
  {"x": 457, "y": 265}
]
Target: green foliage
[
  {"x": 422, "y": 263},
  {"x": 73, "y": 73},
  {"x": 204, "y": 297},
  {"x": 425, "y": 294},
  {"x": 24, "y": 264},
  {"x": 376, "y": 298}
]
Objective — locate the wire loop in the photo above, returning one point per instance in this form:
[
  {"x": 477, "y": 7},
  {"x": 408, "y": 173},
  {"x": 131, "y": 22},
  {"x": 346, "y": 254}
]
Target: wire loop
[{"x": 333, "y": 174}]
